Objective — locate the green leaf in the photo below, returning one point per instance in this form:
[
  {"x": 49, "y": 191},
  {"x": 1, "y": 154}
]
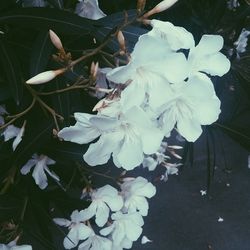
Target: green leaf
[
  {"x": 56, "y": 3},
  {"x": 44, "y": 18},
  {"x": 12, "y": 71},
  {"x": 41, "y": 53}
]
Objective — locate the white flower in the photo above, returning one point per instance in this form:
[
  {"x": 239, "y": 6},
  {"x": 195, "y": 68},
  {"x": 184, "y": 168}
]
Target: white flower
[
  {"x": 190, "y": 105},
  {"x": 89, "y": 9},
  {"x": 205, "y": 57},
  {"x": 135, "y": 192},
  {"x": 78, "y": 230},
  {"x": 175, "y": 36},
  {"x": 241, "y": 43},
  {"x": 104, "y": 199},
  {"x": 203, "y": 192},
  {"x": 125, "y": 228},
  {"x": 127, "y": 137},
  {"x": 41, "y": 166},
  {"x": 96, "y": 242},
  {"x": 14, "y": 132},
  {"x": 12, "y": 246},
  {"x": 149, "y": 74},
  {"x": 220, "y": 219}
]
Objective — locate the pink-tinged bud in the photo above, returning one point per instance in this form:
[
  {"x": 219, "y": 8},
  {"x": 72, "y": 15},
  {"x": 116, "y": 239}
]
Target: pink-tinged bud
[
  {"x": 141, "y": 5},
  {"x": 94, "y": 69},
  {"x": 162, "y": 6},
  {"x": 45, "y": 76},
  {"x": 121, "y": 40},
  {"x": 55, "y": 40}
]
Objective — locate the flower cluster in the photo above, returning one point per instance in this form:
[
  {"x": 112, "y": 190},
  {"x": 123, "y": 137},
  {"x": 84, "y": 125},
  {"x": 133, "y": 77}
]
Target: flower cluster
[
  {"x": 165, "y": 85},
  {"x": 125, "y": 210}
]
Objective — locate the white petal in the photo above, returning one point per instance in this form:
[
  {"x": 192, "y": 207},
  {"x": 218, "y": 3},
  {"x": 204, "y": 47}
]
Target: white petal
[
  {"x": 27, "y": 167},
  {"x": 10, "y": 132},
  {"x": 79, "y": 134},
  {"x": 131, "y": 154},
  {"x": 39, "y": 176},
  {"x": 83, "y": 231},
  {"x": 150, "y": 163},
  {"x": 102, "y": 214},
  {"x": 133, "y": 232},
  {"x": 62, "y": 222},
  {"x": 104, "y": 123},
  {"x": 107, "y": 230},
  {"x": 71, "y": 240},
  {"x": 145, "y": 240},
  {"x": 189, "y": 129},
  {"x": 99, "y": 153},
  {"x": 176, "y": 37}
]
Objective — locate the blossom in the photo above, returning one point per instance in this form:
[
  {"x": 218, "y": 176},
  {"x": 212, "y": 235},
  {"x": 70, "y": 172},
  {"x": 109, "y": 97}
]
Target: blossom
[
  {"x": 135, "y": 192},
  {"x": 125, "y": 228},
  {"x": 89, "y": 9},
  {"x": 40, "y": 164},
  {"x": 241, "y": 42},
  {"x": 205, "y": 57},
  {"x": 189, "y": 105},
  {"x": 145, "y": 240},
  {"x": 12, "y": 246},
  {"x": 104, "y": 199},
  {"x": 77, "y": 229},
  {"x": 14, "y": 132},
  {"x": 130, "y": 133},
  {"x": 171, "y": 169},
  {"x": 96, "y": 242}
]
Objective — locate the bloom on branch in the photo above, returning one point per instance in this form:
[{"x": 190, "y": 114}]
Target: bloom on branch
[
  {"x": 77, "y": 229},
  {"x": 135, "y": 192},
  {"x": 125, "y": 229},
  {"x": 40, "y": 164},
  {"x": 104, "y": 199}
]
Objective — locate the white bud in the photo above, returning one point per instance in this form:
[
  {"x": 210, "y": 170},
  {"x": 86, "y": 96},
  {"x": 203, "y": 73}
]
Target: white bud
[
  {"x": 55, "y": 40},
  {"x": 121, "y": 40},
  {"x": 45, "y": 76},
  {"x": 162, "y": 6}
]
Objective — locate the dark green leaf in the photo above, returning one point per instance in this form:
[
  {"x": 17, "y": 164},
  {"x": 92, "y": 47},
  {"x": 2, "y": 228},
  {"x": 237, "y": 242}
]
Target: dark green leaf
[
  {"x": 12, "y": 71},
  {"x": 41, "y": 53},
  {"x": 56, "y": 3},
  {"x": 44, "y": 18}
]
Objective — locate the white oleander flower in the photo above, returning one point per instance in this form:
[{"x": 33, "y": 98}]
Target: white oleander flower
[
  {"x": 89, "y": 9},
  {"x": 14, "y": 132},
  {"x": 127, "y": 137},
  {"x": 12, "y": 246},
  {"x": 125, "y": 228},
  {"x": 96, "y": 242},
  {"x": 148, "y": 74},
  {"x": 190, "y": 105},
  {"x": 135, "y": 191},
  {"x": 77, "y": 229},
  {"x": 40, "y": 164},
  {"x": 104, "y": 199},
  {"x": 205, "y": 57}
]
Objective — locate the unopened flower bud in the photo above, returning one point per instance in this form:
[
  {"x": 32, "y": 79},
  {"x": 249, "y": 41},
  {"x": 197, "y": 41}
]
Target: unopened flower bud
[
  {"x": 45, "y": 76},
  {"x": 94, "y": 69},
  {"x": 121, "y": 40},
  {"x": 162, "y": 6},
  {"x": 140, "y": 5},
  {"x": 56, "y": 40}
]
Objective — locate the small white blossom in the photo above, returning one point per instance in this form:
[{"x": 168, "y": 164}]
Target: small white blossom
[
  {"x": 171, "y": 169},
  {"x": 241, "y": 43},
  {"x": 125, "y": 228},
  {"x": 104, "y": 199},
  {"x": 96, "y": 242},
  {"x": 135, "y": 191},
  {"x": 40, "y": 164},
  {"x": 78, "y": 230},
  {"x": 14, "y": 132},
  {"x": 89, "y": 9}
]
